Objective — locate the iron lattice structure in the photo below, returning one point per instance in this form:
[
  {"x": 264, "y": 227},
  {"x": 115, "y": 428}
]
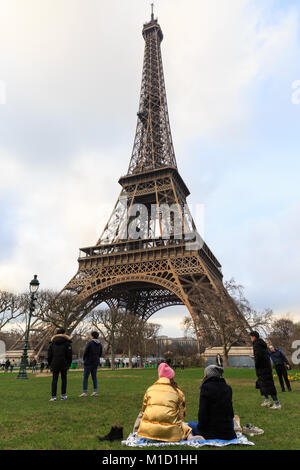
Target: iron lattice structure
[{"x": 147, "y": 274}]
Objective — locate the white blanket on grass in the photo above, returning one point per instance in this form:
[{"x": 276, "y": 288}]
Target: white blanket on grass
[{"x": 134, "y": 441}]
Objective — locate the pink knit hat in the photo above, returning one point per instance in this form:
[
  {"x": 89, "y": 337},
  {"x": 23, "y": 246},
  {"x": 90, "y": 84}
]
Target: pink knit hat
[{"x": 165, "y": 371}]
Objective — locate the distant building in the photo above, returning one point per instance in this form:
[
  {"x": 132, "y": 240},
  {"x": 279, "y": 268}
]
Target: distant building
[
  {"x": 239, "y": 356},
  {"x": 183, "y": 341},
  {"x": 17, "y": 355}
]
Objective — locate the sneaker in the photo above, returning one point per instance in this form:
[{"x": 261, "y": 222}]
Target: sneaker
[
  {"x": 266, "y": 403},
  {"x": 115, "y": 434},
  {"x": 53, "y": 399},
  {"x": 237, "y": 424},
  {"x": 94, "y": 394},
  {"x": 84, "y": 394},
  {"x": 276, "y": 406},
  {"x": 63, "y": 397},
  {"x": 252, "y": 430}
]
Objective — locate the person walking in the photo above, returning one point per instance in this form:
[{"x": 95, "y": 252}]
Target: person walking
[
  {"x": 215, "y": 414},
  {"x": 12, "y": 365},
  {"x": 59, "y": 360},
  {"x": 91, "y": 357},
  {"x": 264, "y": 373},
  {"x": 42, "y": 367},
  {"x": 7, "y": 365},
  {"x": 33, "y": 365},
  {"x": 281, "y": 365},
  {"x": 182, "y": 366}
]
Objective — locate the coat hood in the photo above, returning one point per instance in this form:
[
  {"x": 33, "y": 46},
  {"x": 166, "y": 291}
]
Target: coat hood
[
  {"x": 60, "y": 338},
  {"x": 96, "y": 341},
  {"x": 213, "y": 379}
]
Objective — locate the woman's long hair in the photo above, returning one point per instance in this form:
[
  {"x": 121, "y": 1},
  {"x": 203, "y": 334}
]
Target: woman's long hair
[{"x": 174, "y": 385}]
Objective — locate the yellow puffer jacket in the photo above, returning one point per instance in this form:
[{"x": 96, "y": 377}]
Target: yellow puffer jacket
[{"x": 163, "y": 413}]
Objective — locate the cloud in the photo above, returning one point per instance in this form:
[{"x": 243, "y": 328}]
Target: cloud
[{"x": 73, "y": 70}]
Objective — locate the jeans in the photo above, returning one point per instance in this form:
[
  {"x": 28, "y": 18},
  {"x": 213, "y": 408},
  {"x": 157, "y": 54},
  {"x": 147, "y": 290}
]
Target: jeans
[
  {"x": 63, "y": 374},
  {"x": 282, "y": 372},
  {"x": 274, "y": 398},
  {"x": 194, "y": 426},
  {"x": 87, "y": 371},
  {"x": 195, "y": 429}
]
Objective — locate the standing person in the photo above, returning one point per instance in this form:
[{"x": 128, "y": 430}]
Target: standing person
[
  {"x": 91, "y": 357},
  {"x": 33, "y": 365},
  {"x": 281, "y": 365},
  {"x": 7, "y": 365},
  {"x": 264, "y": 373},
  {"x": 163, "y": 409},
  {"x": 12, "y": 365},
  {"x": 215, "y": 414},
  {"x": 182, "y": 366},
  {"x": 42, "y": 367},
  {"x": 219, "y": 360},
  {"x": 59, "y": 360}
]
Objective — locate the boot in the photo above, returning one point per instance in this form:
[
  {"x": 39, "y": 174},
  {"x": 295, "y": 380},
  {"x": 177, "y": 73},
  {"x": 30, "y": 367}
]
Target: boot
[{"x": 115, "y": 434}]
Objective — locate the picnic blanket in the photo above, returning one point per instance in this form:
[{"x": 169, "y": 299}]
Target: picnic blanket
[{"x": 134, "y": 441}]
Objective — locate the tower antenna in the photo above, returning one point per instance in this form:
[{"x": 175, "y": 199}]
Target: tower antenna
[{"x": 152, "y": 13}]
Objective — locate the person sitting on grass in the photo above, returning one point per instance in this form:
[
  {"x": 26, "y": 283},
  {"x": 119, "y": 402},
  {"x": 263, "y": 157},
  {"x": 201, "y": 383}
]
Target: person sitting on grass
[
  {"x": 215, "y": 415},
  {"x": 163, "y": 409}
]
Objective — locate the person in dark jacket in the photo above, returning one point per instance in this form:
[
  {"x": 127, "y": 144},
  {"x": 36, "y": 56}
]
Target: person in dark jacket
[
  {"x": 265, "y": 381},
  {"x": 91, "y": 357},
  {"x": 215, "y": 415},
  {"x": 59, "y": 360},
  {"x": 281, "y": 365}
]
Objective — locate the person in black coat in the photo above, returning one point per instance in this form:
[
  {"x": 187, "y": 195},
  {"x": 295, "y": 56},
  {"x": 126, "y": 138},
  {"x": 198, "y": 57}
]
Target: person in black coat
[
  {"x": 281, "y": 365},
  {"x": 91, "y": 357},
  {"x": 265, "y": 381},
  {"x": 59, "y": 360},
  {"x": 215, "y": 415}
]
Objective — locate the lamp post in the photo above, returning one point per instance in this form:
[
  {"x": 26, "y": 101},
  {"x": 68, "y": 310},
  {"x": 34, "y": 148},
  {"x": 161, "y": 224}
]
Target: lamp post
[{"x": 33, "y": 287}]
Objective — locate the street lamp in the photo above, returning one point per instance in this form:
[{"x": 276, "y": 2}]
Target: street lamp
[{"x": 33, "y": 288}]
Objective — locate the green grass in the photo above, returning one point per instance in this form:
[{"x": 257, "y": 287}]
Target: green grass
[{"x": 29, "y": 421}]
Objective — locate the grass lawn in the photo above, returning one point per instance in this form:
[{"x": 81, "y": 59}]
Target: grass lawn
[{"x": 29, "y": 421}]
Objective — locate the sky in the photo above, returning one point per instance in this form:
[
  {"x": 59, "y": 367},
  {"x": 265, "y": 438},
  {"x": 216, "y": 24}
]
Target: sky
[{"x": 70, "y": 76}]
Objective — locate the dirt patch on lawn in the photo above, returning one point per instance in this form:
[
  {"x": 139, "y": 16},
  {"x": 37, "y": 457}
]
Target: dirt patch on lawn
[
  {"x": 46, "y": 374},
  {"x": 114, "y": 377},
  {"x": 243, "y": 382}
]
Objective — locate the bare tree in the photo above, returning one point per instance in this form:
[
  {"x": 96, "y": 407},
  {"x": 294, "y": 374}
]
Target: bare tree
[
  {"x": 146, "y": 333},
  {"x": 283, "y": 333},
  {"x": 129, "y": 331},
  {"x": 108, "y": 323},
  {"x": 229, "y": 314},
  {"x": 79, "y": 338},
  {"x": 10, "y": 307},
  {"x": 58, "y": 311}
]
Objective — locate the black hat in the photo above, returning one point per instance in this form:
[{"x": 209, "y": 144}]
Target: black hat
[{"x": 254, "y": 333}]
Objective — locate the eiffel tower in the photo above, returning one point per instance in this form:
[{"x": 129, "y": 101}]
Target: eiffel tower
[{"x": 163, "y": 261}]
